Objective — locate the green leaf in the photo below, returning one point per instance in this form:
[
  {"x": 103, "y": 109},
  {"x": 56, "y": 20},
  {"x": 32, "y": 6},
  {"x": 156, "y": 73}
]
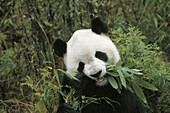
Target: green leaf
[
  {"x": 119, "y": 86},
  {"x": 160, "y": 17},
  {"x": 119, "y": 63},
  {"x": 129, "y": 88},
  {"x": 134, "y": 71},
  {"x": 147, "y": 85},
  {"x": 44, "y": 75},
  {"x": 122, "y": 78},
  {"x": 75, "y": 103},
  {"x": 155, "y": 21},
  {"x": 57, "y": 77},
  {"x": 167, "y": 77},
  {"x": 130, "y": 64},
  {"x": 83, "y": 97},
  {"x": 47, "y": 23},
  {"x": 113, "y": 74},
  {"x": 126, "y": 74},
  {"x": 153, "y": 3},
  {"x": 110, "y": 66},
  {"x": 113, "y": 82},
  {"x": 139, "y": 92},
  {"x": 68, "y": 74}
]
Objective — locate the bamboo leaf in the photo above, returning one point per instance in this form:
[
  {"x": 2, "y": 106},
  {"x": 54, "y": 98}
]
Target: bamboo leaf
[
  {"x": 57, "y": 77},
  {"x": 110, "y": 66},
  {"x": 47, "y": 23},
  {"x": 126, "y": 74},
  {"x": 130, "y": 88},
  {"x": 44, "y": 75},
  {"x": 68, "y": 74},
  {"x": 129, "y": 64},
  {"x": 147, "y": 85},
  {"x": 139, "y": 92},
  {"x": 113, "y": 82},
  {"x": 134, "y": 71},
  {"x": 119, "y": 63},
  {"x": 122, "y": 78},
  {"x": 155, "y": 21},
  {"x": 113, "y": 74},
  {"x": 168, "y": 78},
  {"x": 160, "y": 17}
]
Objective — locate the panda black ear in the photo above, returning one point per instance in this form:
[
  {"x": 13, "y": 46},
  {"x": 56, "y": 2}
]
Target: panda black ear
[
  {"x": 59, "y": 47},
  {"x": 98, "y": 26},
  {"x": 80, "y": 67}
]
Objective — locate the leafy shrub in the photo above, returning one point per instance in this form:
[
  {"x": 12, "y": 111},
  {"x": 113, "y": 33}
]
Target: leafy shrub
[
  {"x": 29, "y": 27},
  {"x": 149, "y": 59},
  {"x": 128, "y": 78}
]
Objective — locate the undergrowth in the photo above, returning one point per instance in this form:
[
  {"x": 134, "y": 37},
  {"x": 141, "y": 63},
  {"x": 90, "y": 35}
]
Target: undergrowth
[
  {"x": 28, "y": 80},
  {"x": 149, "y": 59}
]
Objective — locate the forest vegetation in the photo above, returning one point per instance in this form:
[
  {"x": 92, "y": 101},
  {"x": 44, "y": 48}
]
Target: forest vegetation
[{"x": 30, "y": 72}]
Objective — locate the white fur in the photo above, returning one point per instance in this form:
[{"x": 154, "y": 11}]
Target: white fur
[
  {"x": 82, "y": 47},
  {"x": 94, "y": 67}
]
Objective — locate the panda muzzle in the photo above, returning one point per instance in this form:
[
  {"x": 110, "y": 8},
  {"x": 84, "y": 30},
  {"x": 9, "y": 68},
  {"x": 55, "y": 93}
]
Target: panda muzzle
[{"x": 97, "y": 74}]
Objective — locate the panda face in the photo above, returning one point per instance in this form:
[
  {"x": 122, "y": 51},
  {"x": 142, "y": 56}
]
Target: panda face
[
  {"x": 90, "y": 48},
  {"x": 96, "y": 69},
  {"x": 93, "y": 50},
  {"x": 88, "y": 51}
]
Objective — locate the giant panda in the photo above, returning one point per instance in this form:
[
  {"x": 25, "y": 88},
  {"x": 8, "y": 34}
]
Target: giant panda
[{"x": 86, "y": 55}]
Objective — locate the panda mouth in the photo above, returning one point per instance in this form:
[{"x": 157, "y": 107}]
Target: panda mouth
[{"x": 100, "y": 79}]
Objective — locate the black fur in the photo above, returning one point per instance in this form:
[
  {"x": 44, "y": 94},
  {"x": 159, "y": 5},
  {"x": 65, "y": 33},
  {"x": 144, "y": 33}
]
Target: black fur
[
  {"x": 66, "y": 108},
  {"x": 126, "y": 102},
  {"x": 101, "y": 55},
  {"x": 97, "y": 74},
  {"x": 59, "y": 47},
  {"x": 98, "y": 26},
  {"x": 80, "y": 67}
]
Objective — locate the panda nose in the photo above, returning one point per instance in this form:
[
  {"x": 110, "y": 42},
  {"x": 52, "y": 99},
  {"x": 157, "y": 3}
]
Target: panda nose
[{"x": 97, "y": 74}]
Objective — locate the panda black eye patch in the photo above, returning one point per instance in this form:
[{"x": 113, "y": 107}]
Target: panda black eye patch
[
  {"x": 80, "y": 67},
  {"x": 101, "y": 55}
]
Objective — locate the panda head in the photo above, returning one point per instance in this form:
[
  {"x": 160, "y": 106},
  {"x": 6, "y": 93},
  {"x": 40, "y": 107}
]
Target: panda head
[
  {"x": 88, "y": 51},
  {"x": 95, "y": 70}
]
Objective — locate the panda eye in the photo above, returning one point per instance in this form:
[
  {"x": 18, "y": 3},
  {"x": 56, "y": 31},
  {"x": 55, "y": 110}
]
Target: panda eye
[{"x": 101, "y": 55}]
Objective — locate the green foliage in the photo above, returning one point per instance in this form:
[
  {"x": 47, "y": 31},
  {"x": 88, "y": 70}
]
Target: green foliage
[
  {"x": 29, "y": 27},
  {"x": 124, "y": 74},
  {"x": 146, "y": 57},
  {"x": 149, "y": 59},
  {"x": 6, "y": 60},
  {"x": 68, "y": 74},
  {"x": 44, "y": 91}
]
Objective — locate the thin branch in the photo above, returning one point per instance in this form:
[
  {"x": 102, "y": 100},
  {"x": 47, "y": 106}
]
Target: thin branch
[
  {"x": 16, "y": 101},
  {"x": 50, "y": 49},
  {"x": 5, "y": 17}
]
